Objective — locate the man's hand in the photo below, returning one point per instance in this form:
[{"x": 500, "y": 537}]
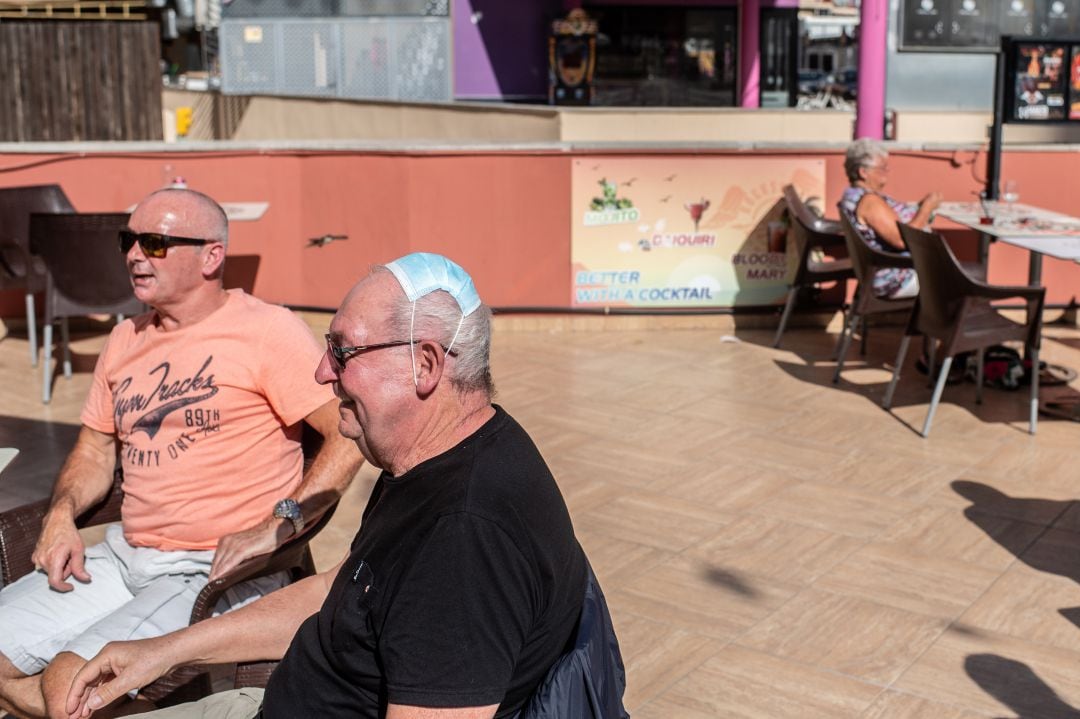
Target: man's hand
[
  {"x": 234, "y": 549},
  {"x": 117, "y": 669},
  {"x": 61, "y": 553}
]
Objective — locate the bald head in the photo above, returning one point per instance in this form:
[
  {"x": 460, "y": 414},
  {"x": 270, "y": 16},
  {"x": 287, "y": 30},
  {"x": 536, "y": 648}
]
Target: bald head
[{"x": 183, "y": 213}]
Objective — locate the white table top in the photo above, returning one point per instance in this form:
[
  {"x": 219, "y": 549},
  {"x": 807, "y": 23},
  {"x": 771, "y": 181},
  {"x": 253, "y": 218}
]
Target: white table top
[{"x": 1033, "y": 228}]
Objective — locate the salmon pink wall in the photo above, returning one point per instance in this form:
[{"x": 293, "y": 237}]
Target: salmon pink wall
[{"x": 505, "y": 216}]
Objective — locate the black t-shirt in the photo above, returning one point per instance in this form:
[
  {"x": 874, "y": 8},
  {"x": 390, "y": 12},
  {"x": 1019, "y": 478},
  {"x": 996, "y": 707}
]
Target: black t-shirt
[{"x": 463, "y": 586}]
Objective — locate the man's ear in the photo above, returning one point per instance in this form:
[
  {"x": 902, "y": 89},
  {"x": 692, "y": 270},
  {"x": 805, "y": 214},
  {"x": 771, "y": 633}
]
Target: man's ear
[
  {"x": 213, "y": 257},
  {"x": 430, "y": 363}
]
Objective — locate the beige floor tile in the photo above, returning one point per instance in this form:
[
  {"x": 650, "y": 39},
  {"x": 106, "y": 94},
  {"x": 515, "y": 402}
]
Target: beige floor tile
[
  {"x": 835, "y": 509},
  {"x": 924, "y": 584},
  {"x": 888, "y": 474},
  {"x": 731, "y": 487},
  {"x": 740, "y": 682},
  {"x": 689, "y": 594},
  {"x": 863, "y": 639},
  {"x": 616, "y": 561},
  {"x": 655, "y": 520},
  {"x": 984, "y": 540},
  {"x": 997, "y": 675},
  {"x": 1015, "y": 498},
  {"x": 895, "y": 705},
  {"x": 657, "y": 656},
  {"x": 774, "y": 548},
  {"x": 785, "y": 454},
  {"x": 1037, "y": 598}
]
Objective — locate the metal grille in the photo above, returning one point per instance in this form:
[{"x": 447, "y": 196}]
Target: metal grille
[
  {"x": 311, "y": 62},
  {"x": 286, "y": 9},
  {"x": 249, "y": 55},
  {"x": 422, "y": 52},
  {"x": 368, "y": 58}
]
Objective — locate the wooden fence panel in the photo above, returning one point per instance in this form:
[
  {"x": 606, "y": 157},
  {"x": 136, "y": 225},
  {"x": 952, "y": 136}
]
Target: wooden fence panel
[{"x": 88, "y": 80}]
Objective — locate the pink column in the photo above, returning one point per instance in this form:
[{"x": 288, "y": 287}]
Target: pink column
[
  {"x": 750, "y": 52},
  {"x": 873, "y": 36}
]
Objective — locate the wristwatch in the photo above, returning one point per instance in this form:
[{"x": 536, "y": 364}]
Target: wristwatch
[{"x": 290, "y": 509}]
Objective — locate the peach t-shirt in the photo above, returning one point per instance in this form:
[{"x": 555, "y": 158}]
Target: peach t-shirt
[{"x": 207, "y": 417}]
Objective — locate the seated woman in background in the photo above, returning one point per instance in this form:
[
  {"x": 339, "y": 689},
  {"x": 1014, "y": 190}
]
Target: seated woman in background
[{"x": 874, "y": 215}]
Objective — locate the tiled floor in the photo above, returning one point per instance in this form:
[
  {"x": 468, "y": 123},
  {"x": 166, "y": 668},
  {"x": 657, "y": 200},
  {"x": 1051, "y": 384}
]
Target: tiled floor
[{"x": 771, "y": 544}]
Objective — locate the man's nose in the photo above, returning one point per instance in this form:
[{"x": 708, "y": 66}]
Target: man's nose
[{"x": 326, "y": 372}]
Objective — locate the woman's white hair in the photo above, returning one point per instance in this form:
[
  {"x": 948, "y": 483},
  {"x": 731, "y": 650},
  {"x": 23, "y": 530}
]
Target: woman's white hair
[
  {"x": 437, "y": 318},
  {"x": 862, "y": 153}
]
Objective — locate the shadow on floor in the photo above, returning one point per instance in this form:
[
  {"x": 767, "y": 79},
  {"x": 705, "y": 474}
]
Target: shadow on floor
[
  {"x": 43, "y": 447},
  {"x": 1015, "y": 685}
]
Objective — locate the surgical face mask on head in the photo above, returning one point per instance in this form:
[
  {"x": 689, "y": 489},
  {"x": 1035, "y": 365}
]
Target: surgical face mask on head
[{"x": 422, "y": 273}]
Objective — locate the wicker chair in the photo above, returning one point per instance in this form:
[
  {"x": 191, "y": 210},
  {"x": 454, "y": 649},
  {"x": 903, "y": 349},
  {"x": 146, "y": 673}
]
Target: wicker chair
[
  {"x": 85, "y": 274},
  {"x": 20, "y": 527},
  {"x": 867, "y": 261},
  {"x": 19, "y": 269},
  {"x": 811, "y": 233},
  {"x": 954, "y": 308}
]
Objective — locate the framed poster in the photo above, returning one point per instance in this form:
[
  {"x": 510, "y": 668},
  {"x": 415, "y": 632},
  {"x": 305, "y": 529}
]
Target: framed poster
[
  {"x": 1039, "y": 75},
  {"x": 684, "y": 232}
]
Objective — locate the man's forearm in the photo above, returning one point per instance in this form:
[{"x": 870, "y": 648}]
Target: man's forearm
[{"x": 261, "y": 630}]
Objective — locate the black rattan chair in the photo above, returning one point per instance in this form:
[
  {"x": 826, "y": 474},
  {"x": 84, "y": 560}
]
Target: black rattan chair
[
  {"x": 85, "y": 274},
  {"x": 866, "y": 262},
  {"x": 19, "y": 269},
  {"x": 20, "y": 527},
  {"x": 955, "y": 309},
  {"x": 811, "y": 235}
]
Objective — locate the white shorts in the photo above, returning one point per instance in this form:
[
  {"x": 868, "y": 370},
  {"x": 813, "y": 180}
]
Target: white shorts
[{"x": 134, "y": 593}]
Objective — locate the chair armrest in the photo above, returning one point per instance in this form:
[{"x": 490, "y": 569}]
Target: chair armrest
[
  {"x": 19, "y": 530},
  {"x": 292, "y": 556},
  {"x": 826, "y": 226},
  {"x": 21, "y": 526},
  {"x": 1004, "y": 292}
]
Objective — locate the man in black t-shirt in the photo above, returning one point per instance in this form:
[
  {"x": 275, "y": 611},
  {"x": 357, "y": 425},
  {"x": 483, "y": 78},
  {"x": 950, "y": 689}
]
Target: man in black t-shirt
[{"x": 465, "y": 581}]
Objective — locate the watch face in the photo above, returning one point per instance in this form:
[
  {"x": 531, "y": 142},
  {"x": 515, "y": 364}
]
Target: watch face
[{"x": 287, "y": 509}]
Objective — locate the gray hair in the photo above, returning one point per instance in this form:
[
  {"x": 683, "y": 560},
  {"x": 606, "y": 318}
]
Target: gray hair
[
  {"x": 437, "y": 318},
  {"x": 860, "y": 154}
]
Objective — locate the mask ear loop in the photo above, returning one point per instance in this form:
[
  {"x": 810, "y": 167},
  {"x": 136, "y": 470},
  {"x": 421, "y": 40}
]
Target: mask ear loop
[
  {"x": 412, "y": 346},
  {"x": 456, "y": 333}
]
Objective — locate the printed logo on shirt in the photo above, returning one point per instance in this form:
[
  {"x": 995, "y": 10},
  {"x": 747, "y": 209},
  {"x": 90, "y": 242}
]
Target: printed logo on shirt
[{"x": 147, "y": 411}]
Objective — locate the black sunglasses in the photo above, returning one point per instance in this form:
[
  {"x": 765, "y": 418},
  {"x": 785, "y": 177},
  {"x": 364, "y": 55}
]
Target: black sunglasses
[
  {"x": 154, "y": 244},
  {"x": 342, "y": 355}
]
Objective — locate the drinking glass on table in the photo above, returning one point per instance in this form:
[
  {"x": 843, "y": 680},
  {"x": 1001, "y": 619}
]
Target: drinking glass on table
[{"x": 1010, "y": 194}]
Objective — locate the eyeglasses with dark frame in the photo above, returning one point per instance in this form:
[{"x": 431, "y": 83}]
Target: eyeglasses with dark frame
[
  {"x": 154, "y": 244},
  {"x": 342, "y": 355}
]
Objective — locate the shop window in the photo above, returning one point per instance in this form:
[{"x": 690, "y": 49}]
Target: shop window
[{"x": 664, "y": 56}]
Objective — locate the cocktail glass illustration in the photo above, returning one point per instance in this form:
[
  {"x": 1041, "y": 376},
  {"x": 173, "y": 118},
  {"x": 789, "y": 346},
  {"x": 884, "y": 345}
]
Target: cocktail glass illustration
[{"x": 696, "y": 210}]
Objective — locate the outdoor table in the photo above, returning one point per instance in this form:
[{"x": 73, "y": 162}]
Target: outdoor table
[{"x": 1041, "y": 232}]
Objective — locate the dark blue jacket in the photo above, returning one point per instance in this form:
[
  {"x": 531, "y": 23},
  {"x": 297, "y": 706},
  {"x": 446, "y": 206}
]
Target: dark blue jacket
[{"x": 588, "y": 681}]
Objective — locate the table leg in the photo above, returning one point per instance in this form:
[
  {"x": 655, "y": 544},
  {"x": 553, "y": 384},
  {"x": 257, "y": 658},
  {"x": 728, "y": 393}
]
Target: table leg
[{"x": 1035, "y": 280}]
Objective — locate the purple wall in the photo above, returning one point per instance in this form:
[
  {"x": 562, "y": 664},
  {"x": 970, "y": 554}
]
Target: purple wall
[{"x": 500, "y": 48}]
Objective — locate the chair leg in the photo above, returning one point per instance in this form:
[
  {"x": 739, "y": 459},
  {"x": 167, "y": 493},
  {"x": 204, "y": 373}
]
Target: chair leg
[
  {"x": 862, "y": 336},
  {"x": 31, "y": 328},
  {"x": 1034, "y": 418},
  {"x": 887, "y": 402},
  {"x": 845, "y": 341},
  {"x": 930, "y": 360},
  {"x": 65, "y": 340},
  {"x": 46, "y": 362},
  {"x": 938, "y": 388},
  {"x": 792, "y": 294},
  {"x": 843, "y": 330},
  {"x": 980, "y": 358}
]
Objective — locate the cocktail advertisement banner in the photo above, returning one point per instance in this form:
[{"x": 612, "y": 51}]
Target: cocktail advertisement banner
[{"x": 685, "y": 232}]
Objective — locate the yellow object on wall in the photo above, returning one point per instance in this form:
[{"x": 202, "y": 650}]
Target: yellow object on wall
[{"x": 184, "y": 118}]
